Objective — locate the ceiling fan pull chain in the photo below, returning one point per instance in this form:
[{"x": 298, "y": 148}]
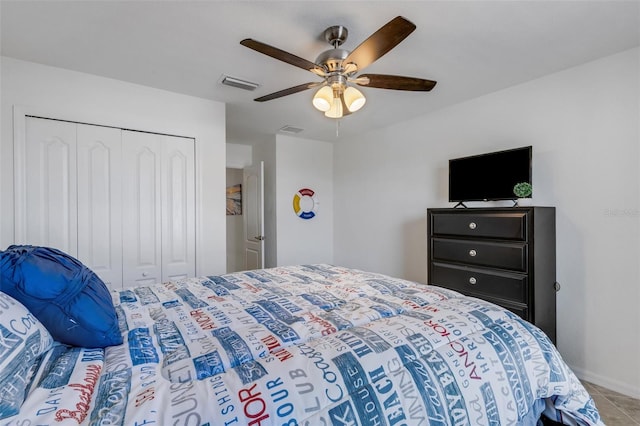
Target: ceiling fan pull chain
[{"x": 337, "y": 128}]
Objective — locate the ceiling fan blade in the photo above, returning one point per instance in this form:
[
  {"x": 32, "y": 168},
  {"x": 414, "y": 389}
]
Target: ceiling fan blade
[
  {"x": 285, "y": 92},
  {"x": 283, "y": 56},
  {"x": 380, "y": 42},
  {"x": 395, "y": 82}
]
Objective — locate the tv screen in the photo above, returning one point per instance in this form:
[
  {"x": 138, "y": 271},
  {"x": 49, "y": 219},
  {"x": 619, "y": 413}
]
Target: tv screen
[{"x": 489, "y": 176}]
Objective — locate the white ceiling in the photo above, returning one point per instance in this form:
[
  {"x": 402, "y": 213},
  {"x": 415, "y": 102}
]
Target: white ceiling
[{"x": 470, "y": 47}]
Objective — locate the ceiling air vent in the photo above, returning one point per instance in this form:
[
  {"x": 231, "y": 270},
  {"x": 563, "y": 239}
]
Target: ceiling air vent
[
  {"x": 239, "y": 83},
  {"x": 290, "y": 129}
]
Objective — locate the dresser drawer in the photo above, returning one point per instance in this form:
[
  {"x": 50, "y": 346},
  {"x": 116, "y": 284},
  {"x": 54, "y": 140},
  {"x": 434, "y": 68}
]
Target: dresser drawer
[
  {"x": 500, "y": 225},
  {"x": 512, "y": 256},
  {"x": 473, "y": 282}
]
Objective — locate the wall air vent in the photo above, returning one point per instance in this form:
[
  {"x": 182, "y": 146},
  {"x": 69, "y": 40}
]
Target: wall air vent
[
  {"x": 290, "y": 129},
  {"x": 239, "y": 83}
]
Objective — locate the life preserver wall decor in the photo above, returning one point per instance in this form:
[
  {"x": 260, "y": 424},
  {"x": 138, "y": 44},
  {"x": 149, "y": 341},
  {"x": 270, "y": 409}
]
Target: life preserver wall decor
[{"x": 307, "y": 196}]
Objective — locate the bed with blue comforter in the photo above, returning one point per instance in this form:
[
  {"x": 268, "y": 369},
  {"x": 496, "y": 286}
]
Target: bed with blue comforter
[{"x": 300, "y": 345}]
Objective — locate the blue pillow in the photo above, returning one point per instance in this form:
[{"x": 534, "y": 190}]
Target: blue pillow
[{"x": 66, "y": 296}]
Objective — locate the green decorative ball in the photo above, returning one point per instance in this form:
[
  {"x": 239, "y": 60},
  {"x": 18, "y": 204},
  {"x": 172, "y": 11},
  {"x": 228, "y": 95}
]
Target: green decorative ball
[{"x": 522, "y": 190}]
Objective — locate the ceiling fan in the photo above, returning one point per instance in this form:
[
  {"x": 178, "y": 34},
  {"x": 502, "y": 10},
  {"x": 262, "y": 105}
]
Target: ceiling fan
[{"x": 337, "y": 95}]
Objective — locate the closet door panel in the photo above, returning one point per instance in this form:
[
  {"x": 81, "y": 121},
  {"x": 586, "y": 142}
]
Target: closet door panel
[
  {"x": 141, "y": 208},
  {"x": 50, "y": 198},
  {"x": 178, "y": 208},
  {"x": 99, "y": 202}
]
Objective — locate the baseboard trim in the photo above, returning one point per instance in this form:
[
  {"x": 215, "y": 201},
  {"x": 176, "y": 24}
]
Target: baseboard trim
[{"x": 614, "y": 385}]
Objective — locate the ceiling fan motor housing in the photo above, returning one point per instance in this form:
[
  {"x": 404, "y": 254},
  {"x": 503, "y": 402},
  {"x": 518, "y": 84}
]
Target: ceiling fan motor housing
[
  {"x": 332, "y": 60},
  {"x": 336, "y": 35}
]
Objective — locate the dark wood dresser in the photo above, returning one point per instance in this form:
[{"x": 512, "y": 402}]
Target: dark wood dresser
[{"x": 504, "y": 255}]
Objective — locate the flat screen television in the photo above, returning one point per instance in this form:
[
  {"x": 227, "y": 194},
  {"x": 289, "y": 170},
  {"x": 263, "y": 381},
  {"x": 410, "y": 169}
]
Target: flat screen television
[{"x": 489, "y": 177}]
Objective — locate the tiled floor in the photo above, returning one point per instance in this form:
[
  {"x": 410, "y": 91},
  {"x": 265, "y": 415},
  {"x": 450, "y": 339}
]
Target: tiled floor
[{"x": 615, "y": 409}]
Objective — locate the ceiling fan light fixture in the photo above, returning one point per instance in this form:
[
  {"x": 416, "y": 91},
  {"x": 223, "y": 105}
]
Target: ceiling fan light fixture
[
  {"x": 336, "y": 109},
  {"x": 354, "y": 99},
  {"x": 323, "y": 99}
]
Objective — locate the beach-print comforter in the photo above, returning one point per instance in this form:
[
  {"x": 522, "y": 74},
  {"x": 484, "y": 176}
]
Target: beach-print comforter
[{"x": 307, "y": 345}]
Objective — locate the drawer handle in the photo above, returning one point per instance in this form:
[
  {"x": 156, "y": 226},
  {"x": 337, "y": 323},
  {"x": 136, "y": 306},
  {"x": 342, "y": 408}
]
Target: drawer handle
[
  {"x": 472, "y": 253},
  {"x": 472, "y": 281},
  {"x": 472, "y": 225}
]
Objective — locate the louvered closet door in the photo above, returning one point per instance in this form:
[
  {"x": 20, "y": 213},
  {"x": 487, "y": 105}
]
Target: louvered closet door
[
  {"x": 99, "y": 202},
  {"x": 47, "y": 204}
]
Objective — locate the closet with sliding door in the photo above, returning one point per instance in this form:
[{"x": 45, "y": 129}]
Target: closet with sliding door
[{"x": 121, "y": 201}]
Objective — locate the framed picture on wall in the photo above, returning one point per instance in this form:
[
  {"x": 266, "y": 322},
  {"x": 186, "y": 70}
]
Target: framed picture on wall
[{"x": 234, "y": 200}]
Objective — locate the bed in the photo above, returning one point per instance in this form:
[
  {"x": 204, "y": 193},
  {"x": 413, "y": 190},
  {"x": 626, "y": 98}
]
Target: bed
[{"x": 302, "y": 345}]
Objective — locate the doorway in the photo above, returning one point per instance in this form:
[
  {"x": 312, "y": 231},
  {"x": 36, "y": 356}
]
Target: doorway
[
  {"x": 245, "y": 218},
  {"x": 235, "y": 231}
]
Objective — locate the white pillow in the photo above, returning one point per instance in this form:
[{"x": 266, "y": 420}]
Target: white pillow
[{"x": 23, "y": 339}]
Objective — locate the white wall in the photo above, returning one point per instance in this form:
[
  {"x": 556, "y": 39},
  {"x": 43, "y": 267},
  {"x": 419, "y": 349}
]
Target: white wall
[
  {"x": 304, "y": 163},
  {"x": 239, "y": 156},
  {"x": 583, "y": 124},
  {"x": 57, "y": 93}
]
